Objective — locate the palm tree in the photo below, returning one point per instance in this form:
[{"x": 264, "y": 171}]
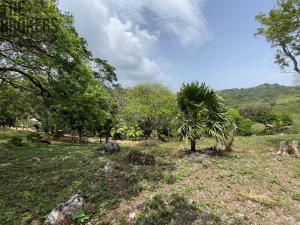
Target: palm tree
[{"x": 202, "y": 114}]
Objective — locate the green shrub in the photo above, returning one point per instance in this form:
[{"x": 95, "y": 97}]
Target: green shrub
[
  {"x": 140, "y": 158},
  {"x": 17, "y": 141},
  {"x": 80, "y": 217},
  {"x": 34, "y": 137},
  {"x": 296, "y": 196},
  {"x": 258, "y": 128}
]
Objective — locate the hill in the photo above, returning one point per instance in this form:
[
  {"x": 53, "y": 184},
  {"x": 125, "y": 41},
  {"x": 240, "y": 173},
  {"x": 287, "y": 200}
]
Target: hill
[{"x": 282, "y": 99}]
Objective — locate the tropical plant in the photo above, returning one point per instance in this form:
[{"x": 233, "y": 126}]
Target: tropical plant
[{"x": 202, "y": 114}]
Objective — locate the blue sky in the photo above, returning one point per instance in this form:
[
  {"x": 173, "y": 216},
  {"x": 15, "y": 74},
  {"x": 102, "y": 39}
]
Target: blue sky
[{"x": 175, "y": 41}]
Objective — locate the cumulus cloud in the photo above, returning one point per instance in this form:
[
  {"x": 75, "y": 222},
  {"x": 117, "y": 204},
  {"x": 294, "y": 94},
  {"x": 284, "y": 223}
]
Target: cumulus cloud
[{"x": 127, "y": 32}]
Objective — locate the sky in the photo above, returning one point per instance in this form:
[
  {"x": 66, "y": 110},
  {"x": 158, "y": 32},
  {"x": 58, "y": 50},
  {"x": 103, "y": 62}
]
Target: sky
[{"x": 176, "y": 41}]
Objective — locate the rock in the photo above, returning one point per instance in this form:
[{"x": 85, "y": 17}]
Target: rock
[
  {"x": 111, "y": 148},
  {"x": 63, "y": 212},
  {"x": 36, "y": 159},
  {"x": 132, "y": 215},
  {"x": 289, "y": 147},
  {"x": 108, "y": 168}
]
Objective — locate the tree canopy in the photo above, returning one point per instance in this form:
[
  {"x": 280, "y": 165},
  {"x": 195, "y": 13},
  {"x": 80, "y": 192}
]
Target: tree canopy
[{"x": 281, "y": 28}]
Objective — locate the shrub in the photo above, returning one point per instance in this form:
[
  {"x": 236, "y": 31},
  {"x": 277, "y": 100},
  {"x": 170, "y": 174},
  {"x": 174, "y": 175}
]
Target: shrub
[
  {"x": 17, "y": 141},
  {"x": 258, "y": 128},
  {"x": 296, "y": 196},
  {"x": 37, "y": 126},
  {"x": 34, "y": 137},
  {"x": 140, "y": 158}
]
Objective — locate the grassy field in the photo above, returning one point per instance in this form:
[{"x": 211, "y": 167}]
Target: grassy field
[{"x": 251, "y": 185}]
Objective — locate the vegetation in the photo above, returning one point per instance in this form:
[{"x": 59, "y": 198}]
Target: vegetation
[
  {"x": 202, "y": 113},
  {"x": 274, "y": 105},
  {"x": 52, "y": 84},
  {"x": 281, "y": 28},
  {"x": 194, "y": 188}
]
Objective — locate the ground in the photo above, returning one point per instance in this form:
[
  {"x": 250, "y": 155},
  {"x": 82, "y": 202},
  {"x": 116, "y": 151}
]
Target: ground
[{"x": 251, "y": 185}]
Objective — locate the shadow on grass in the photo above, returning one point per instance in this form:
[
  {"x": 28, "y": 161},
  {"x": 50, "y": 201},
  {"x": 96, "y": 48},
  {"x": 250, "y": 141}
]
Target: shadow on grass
[
  {"x": 176, "y": 210},
  {"x": 37, "y": 177},
  {"x": 211, "y": 152}
]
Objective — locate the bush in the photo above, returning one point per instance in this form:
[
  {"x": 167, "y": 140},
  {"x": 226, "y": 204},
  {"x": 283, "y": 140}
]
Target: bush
[
  {"x": 258, "y": 128},
  {"x": 37, "y": 126},
  {"x": 34, "y": 137},
  {"x": 296, "y": 196},
  {"x": 17, "y": 141},
  {"x": 140, "y": 158}
]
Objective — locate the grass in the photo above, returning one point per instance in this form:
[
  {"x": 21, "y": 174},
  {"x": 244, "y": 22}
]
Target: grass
[{"x": 250, "y": 181}]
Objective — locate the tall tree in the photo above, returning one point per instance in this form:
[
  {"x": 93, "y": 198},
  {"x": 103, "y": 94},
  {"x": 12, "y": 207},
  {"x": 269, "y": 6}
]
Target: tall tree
[
  {"x": 202, "y": 113},
  {"x": 153, "y": 106},
  {"x": 281, "y": 28},
  {"x": 38, "y": 44}
]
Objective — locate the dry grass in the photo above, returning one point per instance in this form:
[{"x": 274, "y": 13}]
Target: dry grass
[{"x": 251, "y": 181}]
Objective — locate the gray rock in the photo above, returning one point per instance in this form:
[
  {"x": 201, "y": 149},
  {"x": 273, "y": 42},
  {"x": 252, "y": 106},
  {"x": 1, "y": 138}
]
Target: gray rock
[
  {"x": 108, "y": 168},
  {"x": 111, "y": 148},
  {"x": 63, "y": 212}
]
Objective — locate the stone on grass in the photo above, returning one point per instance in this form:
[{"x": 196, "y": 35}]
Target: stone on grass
[
  {"x": 289, "y": 147},
  {"x": 108, "y": 168},
  {"x": 63, "y": 212},
  {"x": 110, "y": 148}
]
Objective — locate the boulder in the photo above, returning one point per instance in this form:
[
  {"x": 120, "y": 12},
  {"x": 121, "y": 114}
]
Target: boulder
[
  {"x": 289, "y": 147},
  {"x": 111, "y": 148},
  {"x": 63, "y": 212}
]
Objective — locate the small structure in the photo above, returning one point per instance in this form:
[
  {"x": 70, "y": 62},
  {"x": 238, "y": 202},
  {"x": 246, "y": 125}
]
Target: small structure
[{"x": 289, "y": 147}]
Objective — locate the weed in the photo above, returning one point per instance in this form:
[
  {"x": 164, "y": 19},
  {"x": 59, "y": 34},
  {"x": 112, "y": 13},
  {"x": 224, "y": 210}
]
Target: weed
[{"x": 296, "y": 196}]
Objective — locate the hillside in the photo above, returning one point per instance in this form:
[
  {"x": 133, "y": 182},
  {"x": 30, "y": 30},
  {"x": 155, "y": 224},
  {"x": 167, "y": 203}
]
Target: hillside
[
  {"x": 281, "y": 98},
  {"x": 247, "y": 186}
]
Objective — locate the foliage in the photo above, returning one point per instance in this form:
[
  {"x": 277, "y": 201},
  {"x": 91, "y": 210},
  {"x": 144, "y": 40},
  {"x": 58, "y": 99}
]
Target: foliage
[
  {"x": 258, "y": 128},
  {"x": 17, "y": 140},
  {"x": 202, "y": 113},
  {"x": 243, "y": 124},
  {"x": 13, "y": 106},
  {"x": 281, "y": 27},
  {"x": 296, "y": 196},
  {"x": 153, "y": 106},
  {"x": 140, "y": 158},
  {"x": 34, "y": 137},
  {"x": 80, "y": 217},
  {"x": 130, "y": 132},
  {"x": 283, "y": 105}
]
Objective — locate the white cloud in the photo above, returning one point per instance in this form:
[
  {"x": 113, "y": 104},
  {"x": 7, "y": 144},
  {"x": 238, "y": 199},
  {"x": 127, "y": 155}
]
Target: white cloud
[{"x": 126, "y": 32}]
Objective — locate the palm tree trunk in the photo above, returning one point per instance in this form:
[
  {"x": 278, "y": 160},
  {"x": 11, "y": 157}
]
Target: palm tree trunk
[{"x": 193, "y": 145}]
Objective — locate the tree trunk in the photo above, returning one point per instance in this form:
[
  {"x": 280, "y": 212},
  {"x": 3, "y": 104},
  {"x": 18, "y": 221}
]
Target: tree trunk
[
  {"x": 79, "y": 136},
  {"x": 193, "y": 145},
  {"x": 106, "y": 138}
]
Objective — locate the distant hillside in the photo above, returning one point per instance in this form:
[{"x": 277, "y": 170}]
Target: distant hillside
[{"x": 282, "y": 98}]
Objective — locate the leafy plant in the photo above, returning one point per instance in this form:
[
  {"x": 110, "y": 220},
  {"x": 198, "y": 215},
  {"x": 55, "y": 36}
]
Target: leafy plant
[
  {"x": 140, "y": 158},
  {"x": 80, "y": 217},
  {"x": 34, "y": 137},
  {"x": 17, "y": 141},
  {"x": 296, "y": 196},
  {"x": 202, "y": 114}
]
